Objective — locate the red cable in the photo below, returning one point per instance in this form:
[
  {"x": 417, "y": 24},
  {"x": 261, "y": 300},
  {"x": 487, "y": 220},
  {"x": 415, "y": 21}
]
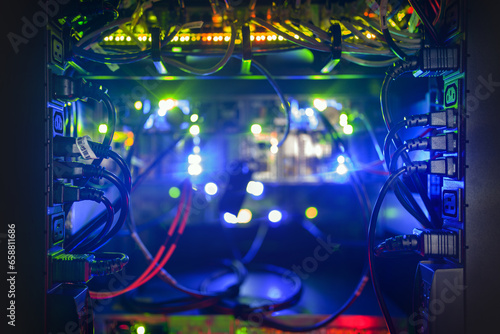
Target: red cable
[
  {"x": 377, "y": 172},
  {"x": 149, "y": 272},
  {"x": 425, "y": 132},
  {"x": 174, "y": 245}
]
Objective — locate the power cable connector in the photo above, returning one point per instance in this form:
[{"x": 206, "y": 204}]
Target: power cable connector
[
  {"x": 444, "y": 143},
  {"x": 107, "y": 263},
  {"x": 446, "y": 166},
  {"x": 425, "y": 242},
  {"x": 443, "y": 167},
  {"x": 437, "y": 243},
  {"x": 79, "y": 147},
  {"x": 418, "y": 167},
  {"x": 80, "y": 268},
  {"x": 437, "y": 61},
  {"x": 76, "y": 170},
  {"x": 399, "y": 243},
  {"x": 73, "y": 268},
  {"x": 438, "y": 119},
  {"x": 72, "y": 89},
  {"x": 67, "y": 193},
  {"x": 83, "y": 147}
]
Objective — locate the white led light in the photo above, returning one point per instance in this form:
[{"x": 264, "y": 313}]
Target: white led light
[
  {"x": 343, "y": 120},
  {"x": 194, "y": 159},
  {"x": 348, "y": 129},
  {"x": 274, "y": 216},
  {"x": 342, "y": 169},
  {"x": 255, "y": 188},
  {"x": 195, "y": 170},
  {"x": 244, "y": 216},
  {"x": 256, "y": 129},
  {"x": 211, "y": 188},
  {"x": 320, "y": 104},
  {"x": 230, "y": 218},
  {"x": 194, "y": 130}
]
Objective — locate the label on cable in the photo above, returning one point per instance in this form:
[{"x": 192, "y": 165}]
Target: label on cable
[{"x": 83, "y": 146}]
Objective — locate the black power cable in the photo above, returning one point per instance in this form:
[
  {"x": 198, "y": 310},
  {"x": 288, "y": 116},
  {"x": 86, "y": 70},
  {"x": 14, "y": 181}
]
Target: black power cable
[
  {"x": 395, "y": 157},
  {"x": 371, "y": 244},
  {"x": 106, "y": 227},
  {"x": 111, "y": 124},
  {"x": 269, "y": 322},
  {"x": 401, "y": 191},
  {"x": 123, "y": 167},
  {"x": 247, "y": 312},
  {"x": 74, "y": 246},
  {"x": 124, "y": 198},
  {"x": 396, "y": 70}
]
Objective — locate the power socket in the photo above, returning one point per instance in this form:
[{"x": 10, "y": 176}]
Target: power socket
[
  {"x": 57, "y": 229},
  {"x": 450, "y": 95},
  {"x": 452, "y": 203},
  {"x": 57, "y": 51}
]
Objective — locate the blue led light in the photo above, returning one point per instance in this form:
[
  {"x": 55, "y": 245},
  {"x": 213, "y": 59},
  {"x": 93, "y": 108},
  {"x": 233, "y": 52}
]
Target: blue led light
[
  {"x": 149, "y": 123},
  {"x": 146, "y": 106}
]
